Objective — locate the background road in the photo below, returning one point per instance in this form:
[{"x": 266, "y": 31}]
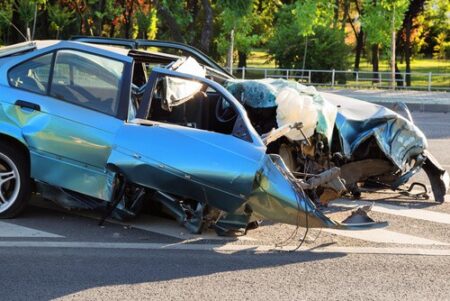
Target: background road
[{"x": 49, "y": 253}]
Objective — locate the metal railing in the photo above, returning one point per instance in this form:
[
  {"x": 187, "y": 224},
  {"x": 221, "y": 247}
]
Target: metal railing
[{"x": 353, "y": 79}]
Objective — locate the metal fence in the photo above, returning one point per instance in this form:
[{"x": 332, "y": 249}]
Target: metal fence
[{"x": 353, "y": 79}]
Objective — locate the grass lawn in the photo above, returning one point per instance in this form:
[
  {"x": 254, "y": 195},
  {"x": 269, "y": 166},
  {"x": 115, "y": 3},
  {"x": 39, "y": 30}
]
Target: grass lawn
[
  {"x": 260, "y": 59},
  {"x": 417, "y": 65}
]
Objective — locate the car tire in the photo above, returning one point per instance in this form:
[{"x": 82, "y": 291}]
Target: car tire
[
  {"x": 286, "y": 153},
  {"x": 15, "y": 182}
]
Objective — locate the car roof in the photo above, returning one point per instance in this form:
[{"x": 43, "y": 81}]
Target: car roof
[
  {"x": 137, "y": 43},
  {"x": 38, "y": 45}
]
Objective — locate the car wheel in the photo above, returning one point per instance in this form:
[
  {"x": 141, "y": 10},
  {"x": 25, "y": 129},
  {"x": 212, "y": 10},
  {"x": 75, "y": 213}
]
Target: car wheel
[
  {"x": 287, "y": 154},
  {"x": 14, "y": 181}
]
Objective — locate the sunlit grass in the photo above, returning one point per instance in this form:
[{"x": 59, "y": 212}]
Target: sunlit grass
[
  {"x": 417, "y": 65},
  {"x": 260, "y": 59},
  {"x": 440, "y": 69}
]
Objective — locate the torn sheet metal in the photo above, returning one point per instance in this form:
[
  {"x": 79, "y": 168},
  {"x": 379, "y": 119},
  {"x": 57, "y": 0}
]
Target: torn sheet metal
[
  {"x": 277, "y": 197},
  {"x": 357, "y": 121}
]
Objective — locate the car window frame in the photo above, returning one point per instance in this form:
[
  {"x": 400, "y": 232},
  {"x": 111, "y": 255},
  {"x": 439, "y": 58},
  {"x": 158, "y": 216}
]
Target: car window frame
[
  {"x": 28, "y": 60},
  {"x": 157, "y": 72},
  {"x": 136, "y": 44},
  {"x": 125, "y": 89},
  {"x": 55, "y": 55},
  {"x": 197, "y": 54}
]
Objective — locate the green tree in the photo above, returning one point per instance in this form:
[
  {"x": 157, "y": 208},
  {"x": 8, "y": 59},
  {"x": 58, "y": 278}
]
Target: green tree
[
  {"x": 437, "y": 23},
  {"x": 176, "y": 19},
  {"x": 103, "y": 13},
  {"x": 6, "y": 12},
  {"x": 326, "y": 46},
  {"x": 377, "y": 21},
  {"x": 25, "y": 9},
  {"x": 406, "y": 37},
  {"x": 312, "y": 14},
  {"x": 442, "y": 47},
  {"x": 146, "y": 19},
  {"x": 60, "y": 17},
  {"x": 237, "y": 21}
]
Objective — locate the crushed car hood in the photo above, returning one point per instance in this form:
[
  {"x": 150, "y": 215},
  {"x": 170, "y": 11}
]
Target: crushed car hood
[{"x": 357, "y": 121}]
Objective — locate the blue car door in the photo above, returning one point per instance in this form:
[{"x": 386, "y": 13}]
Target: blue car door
[{"x": 70, "y": 120}]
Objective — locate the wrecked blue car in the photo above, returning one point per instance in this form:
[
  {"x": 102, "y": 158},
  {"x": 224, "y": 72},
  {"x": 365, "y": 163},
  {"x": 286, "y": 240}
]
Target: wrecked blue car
[
  {"x": 89, "y": 126},
  {"x": 96, "y": 127}
]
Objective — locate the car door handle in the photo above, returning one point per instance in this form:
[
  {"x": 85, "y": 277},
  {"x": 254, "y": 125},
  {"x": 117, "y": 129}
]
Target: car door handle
[{"x": 28, "y": 105}]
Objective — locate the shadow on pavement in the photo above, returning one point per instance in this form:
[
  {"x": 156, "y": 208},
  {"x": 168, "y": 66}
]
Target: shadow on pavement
[{"x": 40, "y": 273}]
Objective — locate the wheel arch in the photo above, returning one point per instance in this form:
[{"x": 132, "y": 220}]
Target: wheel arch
[{"x": 18, "y": 144}]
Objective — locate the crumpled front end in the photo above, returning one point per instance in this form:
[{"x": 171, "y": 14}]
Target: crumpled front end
[
  {"x": 358, "y": 121},
  {"x": 314, "y": 131},
  {"x": 363, "y": 126},
  {"x": 278, "y": 196}
]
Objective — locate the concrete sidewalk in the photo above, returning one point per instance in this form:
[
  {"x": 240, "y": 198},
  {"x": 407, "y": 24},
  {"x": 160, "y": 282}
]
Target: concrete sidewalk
[{"x": 423, "y": 101}]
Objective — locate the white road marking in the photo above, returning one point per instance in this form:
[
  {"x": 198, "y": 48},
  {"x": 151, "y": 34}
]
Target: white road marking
[
  {"x": 11, "y": 230},
  {"x": 171, "y": 228},
  {"x": 385, "y": 236},
  {"x": 227, "y": 248},
  {"x": 426, "y": 215}
]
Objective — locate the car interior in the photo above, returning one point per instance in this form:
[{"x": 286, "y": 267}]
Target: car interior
[{"x": 205, "y": 109}]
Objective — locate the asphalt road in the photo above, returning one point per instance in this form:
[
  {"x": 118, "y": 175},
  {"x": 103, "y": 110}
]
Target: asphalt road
[{"x": 49, "y": 253}]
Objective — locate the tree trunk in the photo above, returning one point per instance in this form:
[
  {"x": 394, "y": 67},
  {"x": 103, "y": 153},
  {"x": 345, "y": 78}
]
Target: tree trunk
[
  {"x": 375, "y": 61},
  {"x": 359, "y": 48},
  {"x": 242, "y": 59},
  {"x": 230, "y": 53},
  {"x": 398, "y": 76},
  {"x": 128, "y": 18},
  {"x": 101, "y": 5},
  {"x": 207, "y": 29},
  {"x": 192, "y": 7},
  {"x": 336, "y": 13},
  {"x": 408, "y": 52},
  {"x": 414, "y": 9},
  {"x": 346, "y": 9},
  {"x": 112, "y": 29}
]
